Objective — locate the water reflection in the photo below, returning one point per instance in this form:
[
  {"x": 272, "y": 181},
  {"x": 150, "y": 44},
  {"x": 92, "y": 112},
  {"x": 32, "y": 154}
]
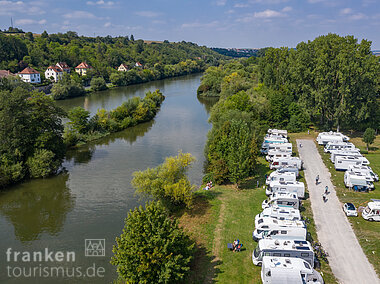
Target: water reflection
[
  {"x": 208, "y": 102},
  {"x": 36, "y": 207}
]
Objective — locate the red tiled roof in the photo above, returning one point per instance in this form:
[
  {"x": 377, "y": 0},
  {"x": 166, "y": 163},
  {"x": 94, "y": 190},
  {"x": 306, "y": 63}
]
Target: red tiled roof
[
  {"x": 5, "y": 73},
  {"x": 124, "y": 65},
  {"x": 63, "y": 65},
  {"x": 29, "y": 70},
  {"x": 55, "y": 68},
  {"x": 138, "y": 64},
  {"x": 83, "y": 65}
]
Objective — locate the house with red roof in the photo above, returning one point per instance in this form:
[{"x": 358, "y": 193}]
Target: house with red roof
[
  {"x": 123, "y": 67},
  {"x": 54, "y": 73},
  {"x": 64, "y": 67},
  {"x": 138, "y": 64},
  {"x": 29, "y": 75},
  {"x": 82, "y": 68}
]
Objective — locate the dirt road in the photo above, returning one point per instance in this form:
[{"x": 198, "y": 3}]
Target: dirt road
[{"x": 347, "y": 260}]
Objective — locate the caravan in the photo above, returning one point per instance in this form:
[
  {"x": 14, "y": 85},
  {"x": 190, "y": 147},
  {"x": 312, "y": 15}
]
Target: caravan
[
  {"x": 286, "y": 270},
  {"x": 281, "y": 176},
  {"x": 283, "y": 133},
  {"x": 288, "y": 169},
  {"x": 343, "y": 162},
  {"x": 364, "y": 170},
  {"x": 276, "y": 154},
  {"x": 354, "y": 152},
  {"x": 286, "y": 186},
  {"x": 286, "y": 162},
  {"x": 282, "y": 200},
  {"x": 279, "y": 214},
  {"x": 285, "y": 147},
  {"x": 357, "y": 181},
  {"x": 287, "y": 248},
  {"x": 372, "y": 210},
  {"x": 325, "y": 137},
  {"x": 331, "y": 146},
  {"x": 268, "y": 140},
  {"x": 267, "y": 226}
]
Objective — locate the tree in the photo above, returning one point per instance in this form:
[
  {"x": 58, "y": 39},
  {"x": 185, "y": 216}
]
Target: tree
[
  {"x": 79, "y": 119},
  {"x": 369, "y": 136},
  {"x": 98, "y": 84},
  {"x": 167, "y": 182},
  {"x": 152, "y": 247},
  {"x": 67, "y": 87}
]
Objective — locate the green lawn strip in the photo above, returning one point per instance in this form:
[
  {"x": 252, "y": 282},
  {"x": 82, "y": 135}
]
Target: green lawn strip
[
  {"x": 307, "y": 212},
  {"x": 368, "y": 233}
]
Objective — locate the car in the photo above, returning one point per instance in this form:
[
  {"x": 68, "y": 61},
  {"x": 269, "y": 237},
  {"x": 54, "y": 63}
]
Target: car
[{"x": 350, "y": 210}]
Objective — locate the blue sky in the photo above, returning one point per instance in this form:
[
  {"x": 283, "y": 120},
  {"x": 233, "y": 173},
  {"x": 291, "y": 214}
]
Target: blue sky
[{"x": 215, "y": 23}]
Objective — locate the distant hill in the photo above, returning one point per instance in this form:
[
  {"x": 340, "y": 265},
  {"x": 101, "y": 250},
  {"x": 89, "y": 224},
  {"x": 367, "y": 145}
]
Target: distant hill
[{"x": 240, "y": 52}]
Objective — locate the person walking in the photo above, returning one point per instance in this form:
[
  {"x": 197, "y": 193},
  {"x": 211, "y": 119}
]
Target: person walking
[
  {"x": 326, "y": 189},
  {"x": 317, "y": 179},
  {"x": 324, "y": 197}
]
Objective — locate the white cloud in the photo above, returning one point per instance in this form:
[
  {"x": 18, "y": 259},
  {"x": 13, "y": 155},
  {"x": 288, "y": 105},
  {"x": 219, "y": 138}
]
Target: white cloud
[
  {"x": 200, "y": 25},
  {"x": 221, "y": 2},
  {"x": 79, "y": 15},
  {"x": 30, "y": 22},
  {"x": 358, "y": 16},
  {"x": 147, "y": 14},
  {"x": 100, "y": 3},
  {"x": 10, "y": 8},
  {"x": 268, "y": 14},
  {"x": 287, "y": 9},
  {"x": 346, "y": 11},
  {"x": 107, "y": 25},
  {"x": 241, "y": 5}
]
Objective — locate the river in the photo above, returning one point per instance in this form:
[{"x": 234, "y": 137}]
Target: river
[{"x": 91, "y": 198}]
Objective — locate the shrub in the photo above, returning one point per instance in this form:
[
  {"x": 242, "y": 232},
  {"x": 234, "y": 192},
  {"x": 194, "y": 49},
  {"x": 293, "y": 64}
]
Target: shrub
[
  {"x": 42, "y": 163},
  {"x": 98, "y": 84}
]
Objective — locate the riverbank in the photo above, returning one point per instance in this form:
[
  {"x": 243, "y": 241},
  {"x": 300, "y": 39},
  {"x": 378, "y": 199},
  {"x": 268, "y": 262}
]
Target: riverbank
[{"x": 223, "y": 214}]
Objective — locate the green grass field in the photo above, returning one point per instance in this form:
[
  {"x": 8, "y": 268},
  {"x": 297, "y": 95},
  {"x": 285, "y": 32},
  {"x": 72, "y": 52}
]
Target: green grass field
[{"x": 223, "y": 214}]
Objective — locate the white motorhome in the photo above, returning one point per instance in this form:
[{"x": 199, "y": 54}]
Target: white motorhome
[
  {"x": 281, "y": 176},
  {"x": 282, "y": 200},
  {"x": 343, "y": 162},
  {"x": 354, "y": 152},
  {"x": 331, "y": 146},
  {"x": 279, "y": 214},
  {"x": 275, "y": 154},
  {"x": 288, "y": 169},
  {"x": 286, "y": 147},
  {"x": 357, "y": 181},
  {"x": 280, "y": 248},
  {"x": 271, "y": 227},
  {"x": 325, "y": 137},
  {"x": 286, "y": 270},
  {"x": 281, "y": 132},
  {"x": 286, "y": 186},
  {"x": 286, "y": 162},
  {"x": 372, "y": 211},
  {"x": 364, "y": 170},
  {"x": 272, "y": 140}
]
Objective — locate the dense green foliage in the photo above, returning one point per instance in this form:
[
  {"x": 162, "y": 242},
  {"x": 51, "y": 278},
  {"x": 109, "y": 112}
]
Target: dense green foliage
[
  {"x": 104, "y": 54},
  {"x": 82, "y": 128},
  {"x": 167, "y": 182},
  {"x": 67, "y": 87},
  {"x": 152, "y": 248},
  {"x": 334, "y": 79},
  {"x": 369, "y": 136},
  {"x": 30, "y": 134},
  {"x": 98, "y": 84}
]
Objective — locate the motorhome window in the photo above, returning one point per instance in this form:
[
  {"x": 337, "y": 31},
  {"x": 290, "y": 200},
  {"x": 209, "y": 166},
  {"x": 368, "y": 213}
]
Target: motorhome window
[
  {"x": 265, "y": 227},
  {"x": 259, "y": 231},
  {"x": 284, "y": 232},
  {"x": 286, "y": 254},
  {"x": 277, "y": 254},
  {"x": 267, "y": 254},
  {"x": 306, "y": 265},
  {"x": 304, "y": 254},
  {"x": 274, "y": 233},
  {"x": 260, "y": 221},
  {"x": 275, "y": 221},
  {"x": 290, "y": 203}
]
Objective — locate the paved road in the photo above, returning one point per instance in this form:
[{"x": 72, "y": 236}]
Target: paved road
[{"x": 347, "y": 260}]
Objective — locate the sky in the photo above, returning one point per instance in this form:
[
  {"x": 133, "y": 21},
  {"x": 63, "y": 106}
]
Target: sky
[{"x": 214, "y": 23}]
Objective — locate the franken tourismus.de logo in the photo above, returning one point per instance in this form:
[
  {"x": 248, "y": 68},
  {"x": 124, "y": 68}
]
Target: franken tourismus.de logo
[{"x": 95, "y": 247}]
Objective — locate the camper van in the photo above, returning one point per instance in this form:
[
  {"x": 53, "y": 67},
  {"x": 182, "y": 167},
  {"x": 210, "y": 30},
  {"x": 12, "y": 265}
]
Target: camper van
[
  {"x": 287, "y": 248},
  {"x": 343, "y": 162},
  {"x": 288, "y": 169},
  {"x": 357, "y": 181},
  {"x": 279, "y": 214},
  {"x": 331, "y": 146},
  {"x": 283, "y": 133},
  {"x": 372, "y": 211},
  {"x": 282, "y": 200},
  {"x": 286, "y": 162},
  {"x": 364, "y": 170},
  {"x": 354, "y": 152},
  {"x": 272, "y": 140},
  {"x": 281, "y": 270},
  {"x": 326, "y": 137},
  {"x": 269, "y": 227},
  {"x": 275, "y": 154},
  {"x": 286, "y": 147},
  {"x": 286, "y": 186},
  {"x": 281, "y": 176}
]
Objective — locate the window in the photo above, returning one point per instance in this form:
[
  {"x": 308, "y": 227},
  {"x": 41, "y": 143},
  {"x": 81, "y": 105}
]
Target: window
[
  {"x": 284, "y": 232},
  {"x": 304, "y": 254},
  {"x": 307, "y": 265},
  {"x": 260, "y": 221},
  {"x": 277, "y": 254},
  {"x": 286, "y": 254}
]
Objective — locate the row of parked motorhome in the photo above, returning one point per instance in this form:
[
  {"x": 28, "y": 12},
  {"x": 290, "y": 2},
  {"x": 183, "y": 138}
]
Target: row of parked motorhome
[
  {"x": 358, "y": 174},
  {"x": 282, "y": 249}
]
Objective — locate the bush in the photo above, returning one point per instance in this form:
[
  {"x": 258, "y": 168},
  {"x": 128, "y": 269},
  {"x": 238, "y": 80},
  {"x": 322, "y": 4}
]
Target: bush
[
  {"x": 42, "y": 163},
  {"x": 152, "y": 248},
  {"x": 98, "y": 84}
]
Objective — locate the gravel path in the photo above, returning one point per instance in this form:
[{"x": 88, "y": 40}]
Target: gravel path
[{"x": 346, "y": 257}]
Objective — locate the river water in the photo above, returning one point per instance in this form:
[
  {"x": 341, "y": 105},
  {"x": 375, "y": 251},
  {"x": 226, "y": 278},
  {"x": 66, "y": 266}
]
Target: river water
[{"x": 91, "y": 198}]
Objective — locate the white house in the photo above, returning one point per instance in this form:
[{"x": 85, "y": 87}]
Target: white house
[
  {"x": 54, "y": 73},
  {"x": 123, "y": 67},
  {"x": 30, "y": 75}
]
